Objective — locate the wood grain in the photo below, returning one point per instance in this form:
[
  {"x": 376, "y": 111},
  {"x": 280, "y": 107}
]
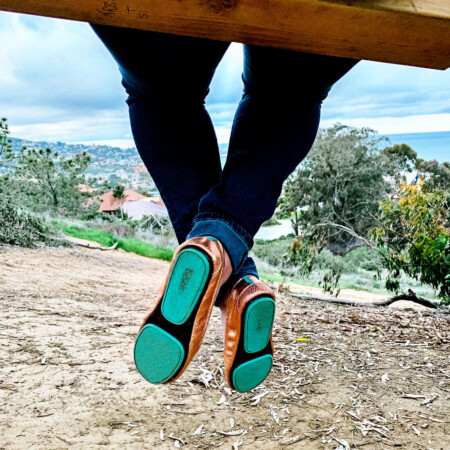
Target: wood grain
[{"x": 410, "y": 32}]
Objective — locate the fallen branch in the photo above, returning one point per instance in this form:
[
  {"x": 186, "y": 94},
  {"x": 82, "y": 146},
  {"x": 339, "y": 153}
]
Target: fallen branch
[
  {"x": 81, "y": 244},
  {"x": 411, "y": 296},
  {"x": 94, "y": 247}
]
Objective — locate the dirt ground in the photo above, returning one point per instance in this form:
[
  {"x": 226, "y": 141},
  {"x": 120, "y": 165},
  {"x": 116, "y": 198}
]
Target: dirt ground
[{"x": 344, "y": 377}]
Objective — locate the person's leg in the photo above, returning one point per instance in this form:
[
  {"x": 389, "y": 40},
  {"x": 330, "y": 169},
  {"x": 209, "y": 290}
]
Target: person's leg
[
  {"x": 273, "y": 130},
  {"x": 167, "y": 78}
]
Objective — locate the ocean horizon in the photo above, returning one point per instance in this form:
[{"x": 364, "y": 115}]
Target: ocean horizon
[{"x": 433, "y": 145}]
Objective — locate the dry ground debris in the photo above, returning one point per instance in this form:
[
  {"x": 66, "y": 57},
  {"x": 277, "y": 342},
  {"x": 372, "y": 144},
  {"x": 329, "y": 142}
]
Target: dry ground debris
[{"x": 344, "y": 377}]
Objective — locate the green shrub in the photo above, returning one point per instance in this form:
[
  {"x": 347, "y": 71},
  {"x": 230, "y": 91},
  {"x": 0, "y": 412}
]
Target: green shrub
[
  {"x": 272, "y": 252},
  {"x": 363, "y": 258},
  {"x": 414, "y": 238},
  {"x": 18, "y": 227}
]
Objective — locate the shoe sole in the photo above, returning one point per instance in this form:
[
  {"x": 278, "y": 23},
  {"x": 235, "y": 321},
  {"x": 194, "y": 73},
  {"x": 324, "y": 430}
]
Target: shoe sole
[
  {"x": 252, "y": 373},
  {"x": 258, "y": 324},
  {"x": 257, "y": 327},
  {"x": 159, "y": 351}
]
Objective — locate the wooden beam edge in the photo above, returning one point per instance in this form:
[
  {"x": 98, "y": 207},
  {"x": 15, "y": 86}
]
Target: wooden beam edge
[{"x": 224, "y": 26}]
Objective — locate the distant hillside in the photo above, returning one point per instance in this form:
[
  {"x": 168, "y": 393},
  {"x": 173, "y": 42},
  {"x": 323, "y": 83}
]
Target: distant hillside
[
  {"x": 118, "y": 165},
  {"x": 105, "y": 159}
]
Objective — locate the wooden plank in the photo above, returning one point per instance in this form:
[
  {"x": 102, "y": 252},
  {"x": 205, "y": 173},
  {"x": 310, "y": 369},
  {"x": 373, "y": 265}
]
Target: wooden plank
[{"x": 410, "y": 32}]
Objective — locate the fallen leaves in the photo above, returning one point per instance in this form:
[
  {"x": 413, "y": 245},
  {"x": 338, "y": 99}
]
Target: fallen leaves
[
  {"x": 233, "y": 432},
  {"x": 342, "y": 377},
  {"x": 198, "y": 430},
  {"x": 257, "y": 398}
]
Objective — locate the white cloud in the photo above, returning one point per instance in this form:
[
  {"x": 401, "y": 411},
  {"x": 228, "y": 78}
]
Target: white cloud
[
  {"x": 59, "y": 82},
  {"x": 78, "y": 129},
  {"x": 223, "y": 135},
  {"x": 397, "y": 125}
]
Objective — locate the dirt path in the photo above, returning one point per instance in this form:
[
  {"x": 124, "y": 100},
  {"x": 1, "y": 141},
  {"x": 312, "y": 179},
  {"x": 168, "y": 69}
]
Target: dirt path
[{"x": 365, "y": 379}]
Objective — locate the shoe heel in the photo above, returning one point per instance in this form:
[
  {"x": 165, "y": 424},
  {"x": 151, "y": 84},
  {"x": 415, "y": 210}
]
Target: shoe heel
[
  {"x": 157, "y": 354},
  {"x": 252, "y": 373}
]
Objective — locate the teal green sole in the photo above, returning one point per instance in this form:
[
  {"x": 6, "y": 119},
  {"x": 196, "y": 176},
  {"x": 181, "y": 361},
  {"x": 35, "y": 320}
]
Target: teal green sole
[
  {"x": 157, "y": 354},
  {"x": 252, "y": 373},
  {"x": 258, "y": 324},
  {"x": 185, "y": 286}
]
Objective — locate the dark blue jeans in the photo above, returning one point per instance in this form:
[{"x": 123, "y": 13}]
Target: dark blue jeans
[{"x": 167, "y": 78}]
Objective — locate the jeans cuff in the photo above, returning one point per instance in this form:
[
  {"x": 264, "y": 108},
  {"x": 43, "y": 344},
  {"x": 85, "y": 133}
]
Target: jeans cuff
[
  {"x": 248, "y": 268},
  {"x": 234, "y": 238}
]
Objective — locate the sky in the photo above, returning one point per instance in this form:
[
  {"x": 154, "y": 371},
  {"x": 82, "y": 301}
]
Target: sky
[{"x": 58, "y": 83}]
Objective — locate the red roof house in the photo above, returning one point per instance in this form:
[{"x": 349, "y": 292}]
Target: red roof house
[{"x": 111, "y": 204}]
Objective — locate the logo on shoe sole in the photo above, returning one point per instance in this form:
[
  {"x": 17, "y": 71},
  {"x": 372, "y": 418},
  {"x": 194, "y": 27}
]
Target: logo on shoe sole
[
  {"x": 187, "y": 274},
  {"x": 259, "y": 322}
]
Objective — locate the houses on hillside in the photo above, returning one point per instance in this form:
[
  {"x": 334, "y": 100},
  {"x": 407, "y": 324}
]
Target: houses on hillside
[
  {"x": 135, "y": 205},
  {"x": 146, "y": 207},
  {"x": 110, "y": 204}
]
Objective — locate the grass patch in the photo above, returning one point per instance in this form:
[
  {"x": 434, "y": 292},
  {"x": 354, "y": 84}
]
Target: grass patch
[
  {"x": 99, "y": 236},
  {"x": 145, "y": 249},
  {"x": 106, "y": 239}
]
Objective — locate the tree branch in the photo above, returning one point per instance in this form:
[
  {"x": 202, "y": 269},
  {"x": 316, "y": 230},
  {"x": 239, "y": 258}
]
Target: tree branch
[
  {"x": 410, "y": 295},
  {"x": 94, "y": 247},
  {"x": 349, "y": 231},
  {"x": 81, "y": 244}
]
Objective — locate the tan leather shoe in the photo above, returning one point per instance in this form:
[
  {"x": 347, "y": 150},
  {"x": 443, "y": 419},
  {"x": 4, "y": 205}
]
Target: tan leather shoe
[
  {"x": 249, "y": 310},
  {"x": 173, "y": 330}
]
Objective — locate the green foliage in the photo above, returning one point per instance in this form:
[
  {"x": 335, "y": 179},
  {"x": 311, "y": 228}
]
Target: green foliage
[
  {"x": 119, "y": 192},
  {"x": 156, "y": 224},
  {"x": 359, "y": 271},
  {"x": 414, "y": 237},
  {"x": 398, "y": 159},
  {"x": 304, "y": 254},
  {"x": 340, "y": 182},
  {"x": 18, "y": 227},
  {"x": 436, "y": 176},
  {"x": 47, "y": 182},
  {"x": 103, "y": 238},
  {"x": 145, "y": 249},
  {"x": 339, "y": 194},
  {"x": 273, "y": 252},
  {"x": 362, "y": 258},
  {"x": 6, "y": 152}
]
